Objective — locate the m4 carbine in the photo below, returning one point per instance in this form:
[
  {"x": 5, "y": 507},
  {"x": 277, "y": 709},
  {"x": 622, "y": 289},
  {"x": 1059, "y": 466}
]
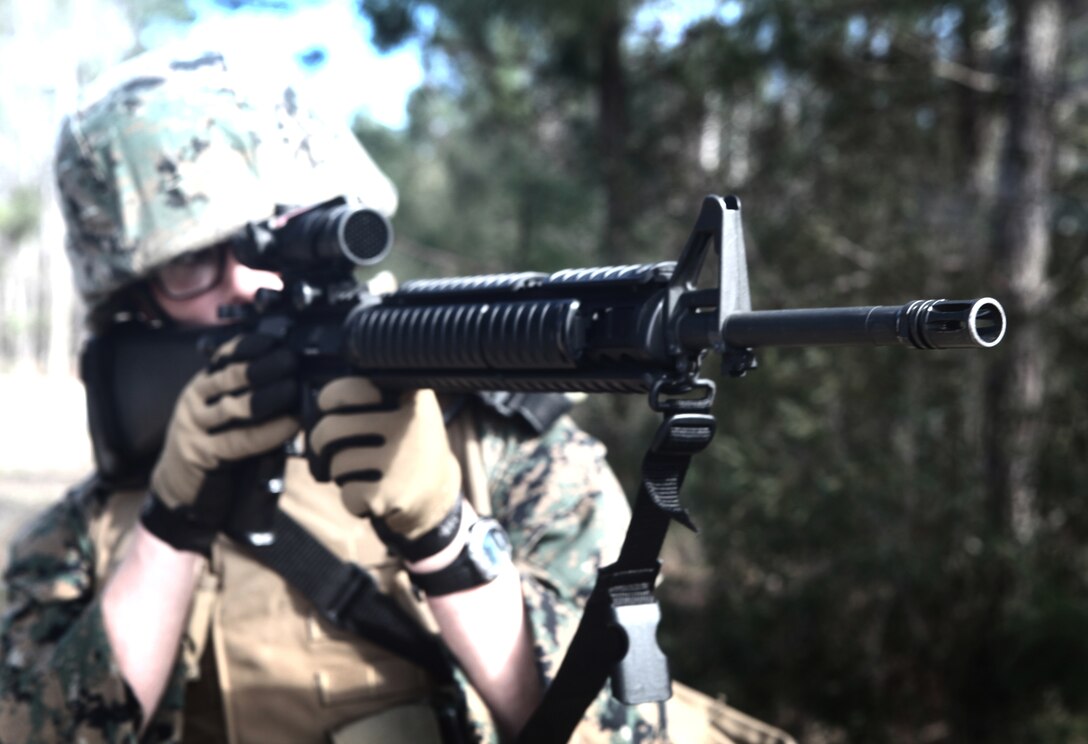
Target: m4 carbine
[
  {"x": 624, "y": 329},
  {"x": 628, "y": 329},
  {"x": 620, "y": 329}
]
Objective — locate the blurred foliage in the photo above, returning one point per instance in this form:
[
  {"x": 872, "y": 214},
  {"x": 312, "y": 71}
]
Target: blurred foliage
[
  {"x": 852, "y": 581},
  {"x": 143, "y": 12},
  {"x": 20, "y": 211}
]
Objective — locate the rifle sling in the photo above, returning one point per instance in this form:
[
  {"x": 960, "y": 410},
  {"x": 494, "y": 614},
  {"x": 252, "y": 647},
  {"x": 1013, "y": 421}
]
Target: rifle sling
[
  {"x": 346, "y": 595},
  {"x": 617, "y": 633}
]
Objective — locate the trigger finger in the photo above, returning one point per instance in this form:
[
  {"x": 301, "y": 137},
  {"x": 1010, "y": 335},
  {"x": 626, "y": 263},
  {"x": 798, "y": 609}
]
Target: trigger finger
[
  {"x": 212, "y": 384},
  {"x": 264, "y": 403},
  {"x": 239, "y": 376}
]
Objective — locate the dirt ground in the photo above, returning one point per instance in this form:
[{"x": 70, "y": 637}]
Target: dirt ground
[{"x": 44, "y": 447}]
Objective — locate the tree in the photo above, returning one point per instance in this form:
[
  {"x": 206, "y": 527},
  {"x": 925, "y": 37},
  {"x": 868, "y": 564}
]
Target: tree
[
  {"x": 859, "y": 577},
  {"x": 1016, "y": 386},
  {"x": 49, "y": 44}
]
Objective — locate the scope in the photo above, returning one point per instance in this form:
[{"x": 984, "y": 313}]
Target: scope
[{"x": 330, "y": 237}]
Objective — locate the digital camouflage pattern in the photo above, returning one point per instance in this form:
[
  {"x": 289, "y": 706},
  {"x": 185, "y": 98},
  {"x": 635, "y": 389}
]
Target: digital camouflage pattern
[
  {"x": 566, "y": 516},
  {"x": 173, "y": 153},
  {"x": 58, "y": 680}
]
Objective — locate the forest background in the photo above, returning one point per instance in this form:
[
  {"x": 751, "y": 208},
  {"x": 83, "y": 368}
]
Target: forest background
[{"x": 894, "y": 544}]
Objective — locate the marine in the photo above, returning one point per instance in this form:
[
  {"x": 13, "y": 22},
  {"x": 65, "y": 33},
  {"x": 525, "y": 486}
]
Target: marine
[{"x": 131, "y": 616}]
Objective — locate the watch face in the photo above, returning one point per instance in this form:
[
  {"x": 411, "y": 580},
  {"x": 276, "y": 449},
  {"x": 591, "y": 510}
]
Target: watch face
[
  {"x": 488, "y": 547},
  {"x": 496, "y": 546}
]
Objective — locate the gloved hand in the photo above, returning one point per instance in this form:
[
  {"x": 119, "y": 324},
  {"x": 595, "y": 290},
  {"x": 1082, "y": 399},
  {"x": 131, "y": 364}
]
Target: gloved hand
[
  {"x": 240, "y": 406},
  {"x": 391, "y": 460}
]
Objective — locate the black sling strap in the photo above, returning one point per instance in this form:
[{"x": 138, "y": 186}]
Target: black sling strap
[
  {"x": 617, "y": 633},
  {"x": 342, "y": 592},
  {"x": 345, "y": 594},
  {"x": 348, "y": 598}
]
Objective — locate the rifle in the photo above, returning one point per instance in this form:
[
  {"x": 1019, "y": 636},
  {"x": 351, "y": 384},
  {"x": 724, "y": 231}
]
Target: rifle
[
  {"x": 624, "y": 329},
  {"x": 619, "y": 329}
]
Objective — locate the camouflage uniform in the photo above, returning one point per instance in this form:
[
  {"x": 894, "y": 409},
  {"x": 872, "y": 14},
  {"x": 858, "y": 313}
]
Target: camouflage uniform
[
  {"x": 554, "y": 494},
  {"x": 148, "y": 171}
]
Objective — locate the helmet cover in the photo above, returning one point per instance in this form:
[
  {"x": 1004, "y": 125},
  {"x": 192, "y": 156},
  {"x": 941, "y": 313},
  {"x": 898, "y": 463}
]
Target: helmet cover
[{"x": 175, "y": 154}]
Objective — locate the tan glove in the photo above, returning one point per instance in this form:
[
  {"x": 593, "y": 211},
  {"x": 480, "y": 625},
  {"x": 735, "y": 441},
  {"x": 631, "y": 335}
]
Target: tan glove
[
  {"x": 391, "y": 460},
  {"x": 242, "y": 405}
]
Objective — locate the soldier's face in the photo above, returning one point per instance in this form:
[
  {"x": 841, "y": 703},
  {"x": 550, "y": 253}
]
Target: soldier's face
[{"x": 236, "y": 285}]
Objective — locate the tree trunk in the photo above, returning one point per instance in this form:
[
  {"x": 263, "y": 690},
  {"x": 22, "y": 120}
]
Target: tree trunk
[
  {"x": 1021, "y": 250},
  {"x": 613, "y": 129},
  {"x": 969, "y": 124}
]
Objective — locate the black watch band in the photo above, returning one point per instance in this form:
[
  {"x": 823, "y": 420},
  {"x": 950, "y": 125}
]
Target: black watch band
[{"x": 479, "y": 562}]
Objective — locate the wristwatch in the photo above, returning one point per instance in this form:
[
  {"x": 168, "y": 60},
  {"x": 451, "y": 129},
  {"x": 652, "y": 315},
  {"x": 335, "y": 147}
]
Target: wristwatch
[{"x": 479, "y": 562}]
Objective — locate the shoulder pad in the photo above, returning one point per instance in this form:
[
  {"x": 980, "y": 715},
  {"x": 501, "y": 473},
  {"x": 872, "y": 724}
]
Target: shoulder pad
[{"x": 538, "y": 410}]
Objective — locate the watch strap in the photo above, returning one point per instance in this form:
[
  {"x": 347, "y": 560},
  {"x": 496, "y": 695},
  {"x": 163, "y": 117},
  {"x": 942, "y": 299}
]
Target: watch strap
[
  {"x": 460, "y": 575},
  {"x": 485, "y": 551}
]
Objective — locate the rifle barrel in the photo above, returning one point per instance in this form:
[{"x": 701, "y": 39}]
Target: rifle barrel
[{"x": 922, "y": 324}]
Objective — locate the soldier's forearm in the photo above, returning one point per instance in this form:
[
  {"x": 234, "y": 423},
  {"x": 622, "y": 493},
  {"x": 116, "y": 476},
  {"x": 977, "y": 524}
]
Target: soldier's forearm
[
  {"x": 144, "y": 608},
  {"x": 487, "y": 630}
]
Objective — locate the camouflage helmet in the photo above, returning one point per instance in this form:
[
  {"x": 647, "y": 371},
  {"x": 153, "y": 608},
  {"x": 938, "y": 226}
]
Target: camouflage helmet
[{"x": 171, "y": 154}]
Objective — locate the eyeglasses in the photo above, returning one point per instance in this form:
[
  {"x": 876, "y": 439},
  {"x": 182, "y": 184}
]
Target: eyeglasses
[{"x": 193, "y": 274}]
